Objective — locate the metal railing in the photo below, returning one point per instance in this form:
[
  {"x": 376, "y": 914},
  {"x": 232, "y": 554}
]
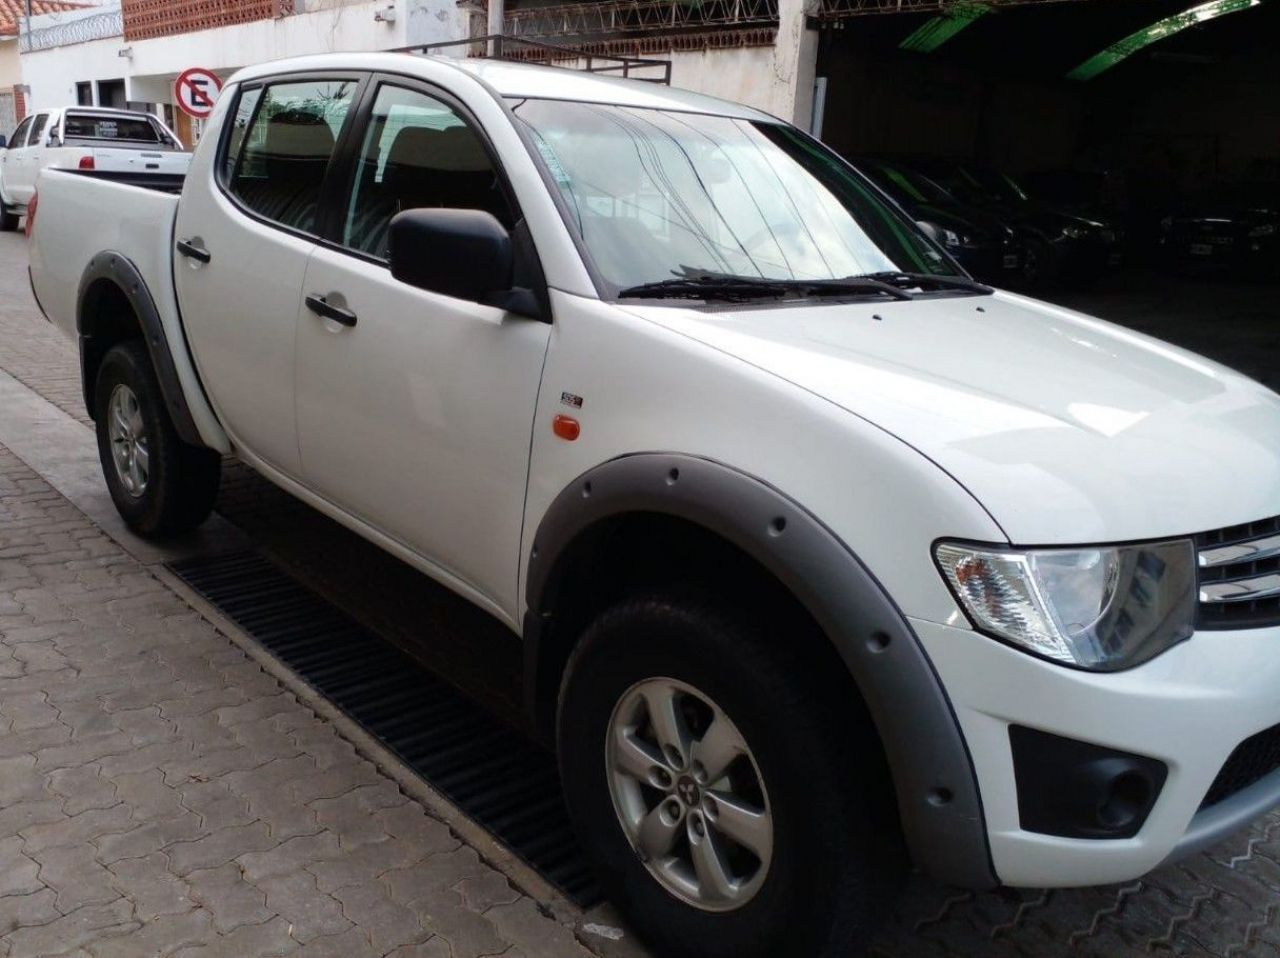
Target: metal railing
[
  {"x": 845, "y": 9},
  {"x": 605, "y": 17},
  {"x": 587, "y": 57},
  {"x": 100, "y": 26}
]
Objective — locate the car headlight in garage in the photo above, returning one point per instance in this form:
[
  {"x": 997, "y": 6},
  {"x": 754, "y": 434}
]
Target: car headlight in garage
[
  {"x": 1100, "y": 608},
  {"x": 952, "y": 238},
  {"x": 1076, "y": 232},
  {"x": 1266, "y": 229}
]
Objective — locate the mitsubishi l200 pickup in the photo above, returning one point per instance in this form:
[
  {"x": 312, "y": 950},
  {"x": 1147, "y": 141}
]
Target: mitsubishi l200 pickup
[{"x": 826, "y": 559}]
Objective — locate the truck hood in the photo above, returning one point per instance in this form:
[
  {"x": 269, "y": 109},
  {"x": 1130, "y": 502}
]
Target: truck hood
[{"x": 1065, "y": 428}]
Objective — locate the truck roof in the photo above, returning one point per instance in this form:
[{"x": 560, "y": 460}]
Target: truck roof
[{"x": 510, "y": 79}]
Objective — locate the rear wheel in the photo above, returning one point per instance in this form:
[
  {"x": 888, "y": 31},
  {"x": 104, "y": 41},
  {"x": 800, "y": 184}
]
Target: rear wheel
[
  {"x": 159, "y": 484},
  {"x": 730, "y": 811}
]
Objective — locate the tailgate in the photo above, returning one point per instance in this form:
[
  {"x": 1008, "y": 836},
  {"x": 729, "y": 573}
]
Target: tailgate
[{"x": 140, "y": 162}]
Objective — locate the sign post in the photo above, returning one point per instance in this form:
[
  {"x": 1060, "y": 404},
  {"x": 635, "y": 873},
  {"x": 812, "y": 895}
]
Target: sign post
[{"x": 196, "y": 91}]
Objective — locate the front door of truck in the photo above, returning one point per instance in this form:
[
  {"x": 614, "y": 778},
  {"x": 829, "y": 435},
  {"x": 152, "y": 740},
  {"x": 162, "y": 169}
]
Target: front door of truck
[
  {"x": 11, "y": 157},
  {"x": 415, "y": 408},
  {"x": 20, "y": 177},
  {"x": 246, "y": 226}
]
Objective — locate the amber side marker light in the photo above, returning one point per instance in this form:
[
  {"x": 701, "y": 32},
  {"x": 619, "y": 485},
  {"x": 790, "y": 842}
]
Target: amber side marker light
[{"x": 566, "y": 427}]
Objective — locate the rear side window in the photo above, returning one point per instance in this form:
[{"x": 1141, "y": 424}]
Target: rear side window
[
  {"x": 37, "y": 129},
  {"x": 89, "y": 126},
  {"x": 282, "y": 148}
]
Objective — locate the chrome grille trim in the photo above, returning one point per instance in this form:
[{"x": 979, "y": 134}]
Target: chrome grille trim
[
  {"x": 1241, "y": 590},
  {"x": 1239, "y": 573},
  {"x": 1240, "y": 552}
]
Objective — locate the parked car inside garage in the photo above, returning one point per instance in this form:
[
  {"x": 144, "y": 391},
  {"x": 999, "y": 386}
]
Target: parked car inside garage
[
  {"x": 982, "y": 242},
  {"x": 1234, "y": 229},
  {"x": 1064, "y": 247}
]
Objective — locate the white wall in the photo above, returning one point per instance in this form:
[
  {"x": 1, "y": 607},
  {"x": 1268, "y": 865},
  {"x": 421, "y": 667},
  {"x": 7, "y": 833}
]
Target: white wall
[
  {"x": 744, "y": 75},
  {"x": 324, "y": 26},
  {"x": 10, "y": 64}
]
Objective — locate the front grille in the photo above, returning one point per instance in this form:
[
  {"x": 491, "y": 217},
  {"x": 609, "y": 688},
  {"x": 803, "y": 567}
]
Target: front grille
[
  {"x": 1240, "y": 576},
  {"x": 1253, "y": 760}
]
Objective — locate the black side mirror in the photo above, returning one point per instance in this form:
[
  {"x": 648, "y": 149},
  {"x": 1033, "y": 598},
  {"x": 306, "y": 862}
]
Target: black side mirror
[
  {"x": 4, "y": 142},
  {"x": 466, "y": 254}
]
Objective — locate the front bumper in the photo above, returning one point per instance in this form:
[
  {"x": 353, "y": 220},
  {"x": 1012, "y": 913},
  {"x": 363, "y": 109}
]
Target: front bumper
[{"x": 1188, "y": 708}]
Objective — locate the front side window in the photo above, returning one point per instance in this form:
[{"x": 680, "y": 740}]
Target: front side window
[
  {"x": 19, "y": 138},
  {"x": 282, "y": 152},
  {"x": 417, "y": 152},
  {"x": 658, "y": 195}
]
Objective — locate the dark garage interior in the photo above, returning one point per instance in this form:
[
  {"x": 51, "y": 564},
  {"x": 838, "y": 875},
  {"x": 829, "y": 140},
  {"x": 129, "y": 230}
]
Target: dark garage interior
[
  {"x": 1181, "y": 115},
  {"x": 1153, "y": 125}
]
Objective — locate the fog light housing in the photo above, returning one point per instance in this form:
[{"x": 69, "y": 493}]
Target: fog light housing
[{"x": 1077, "y": 790}]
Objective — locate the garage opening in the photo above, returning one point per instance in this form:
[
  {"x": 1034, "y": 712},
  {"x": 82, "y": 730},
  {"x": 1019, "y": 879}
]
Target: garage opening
[{"x": 1129, "y": 112}]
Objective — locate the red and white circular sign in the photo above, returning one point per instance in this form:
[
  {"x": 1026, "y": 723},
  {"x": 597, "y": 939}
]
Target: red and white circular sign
[{"x": 196, "y": 91}]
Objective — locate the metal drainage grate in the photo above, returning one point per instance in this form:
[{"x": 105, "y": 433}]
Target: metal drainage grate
[{"x": 489, "y": 770}]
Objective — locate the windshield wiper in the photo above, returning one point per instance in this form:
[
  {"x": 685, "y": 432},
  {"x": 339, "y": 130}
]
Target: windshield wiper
[
  {"x": 928, "y": 280},
  {"x": 748, "y": 287}
]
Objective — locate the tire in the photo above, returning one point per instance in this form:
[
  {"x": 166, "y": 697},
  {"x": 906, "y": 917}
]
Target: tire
[
  {"x": 173, "y": 487},
  {"x": 8, "y": 219},
  {"x": 836, "y": 859},
  {"x": 1041, "y": 269}
]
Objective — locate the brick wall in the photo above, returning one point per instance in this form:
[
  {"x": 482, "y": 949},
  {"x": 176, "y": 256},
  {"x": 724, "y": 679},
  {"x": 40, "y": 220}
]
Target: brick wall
[{"x": 144, "y": 19}]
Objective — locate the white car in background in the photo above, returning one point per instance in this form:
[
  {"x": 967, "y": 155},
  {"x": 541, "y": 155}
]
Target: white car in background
[{"x": 120, "y": 144}]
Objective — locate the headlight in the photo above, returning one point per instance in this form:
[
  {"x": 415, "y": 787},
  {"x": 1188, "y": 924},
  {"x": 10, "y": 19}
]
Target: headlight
[
  {"x": 1266, "y": 229},
  {"x": 1076, "y": 232},
  {"x": 951, "y": 237},
  {"x": 1103, "y": 609},
  {"x": 1166, "y": 223}
]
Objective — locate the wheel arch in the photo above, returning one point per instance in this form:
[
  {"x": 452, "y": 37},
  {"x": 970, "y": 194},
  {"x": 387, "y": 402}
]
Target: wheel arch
[
  {"x": 719, "y": 507},
  {"x": 114, "y": 304}
]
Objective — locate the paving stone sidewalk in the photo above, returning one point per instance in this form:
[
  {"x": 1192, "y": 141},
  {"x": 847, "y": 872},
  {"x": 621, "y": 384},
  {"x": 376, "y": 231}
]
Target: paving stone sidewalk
[{"x": 161, "y": 794}]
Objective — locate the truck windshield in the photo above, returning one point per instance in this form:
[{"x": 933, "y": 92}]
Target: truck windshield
[{"x": 657, "y": 195}]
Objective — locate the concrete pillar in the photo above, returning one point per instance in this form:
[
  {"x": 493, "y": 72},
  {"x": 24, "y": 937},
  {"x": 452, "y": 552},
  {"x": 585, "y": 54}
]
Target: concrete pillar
[{"x": 795, "y": 61}]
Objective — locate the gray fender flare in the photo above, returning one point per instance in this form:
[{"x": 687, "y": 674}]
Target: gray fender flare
[
  {"x": 938, "y": 796},
  {"x": 120, "y": 271}
]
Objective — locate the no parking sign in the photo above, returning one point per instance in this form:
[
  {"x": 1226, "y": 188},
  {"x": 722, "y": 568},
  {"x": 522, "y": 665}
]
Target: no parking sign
[{"x": 196, "y": 91}]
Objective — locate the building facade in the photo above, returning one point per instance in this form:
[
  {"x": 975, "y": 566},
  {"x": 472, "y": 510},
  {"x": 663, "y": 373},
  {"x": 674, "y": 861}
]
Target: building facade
[{"x": 129, "y": 53}]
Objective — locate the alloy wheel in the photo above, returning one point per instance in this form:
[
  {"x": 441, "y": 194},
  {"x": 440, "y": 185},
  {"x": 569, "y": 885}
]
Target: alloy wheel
[
  {"x": 130, "y": 448},
  {"x": 689, "y": 794}
]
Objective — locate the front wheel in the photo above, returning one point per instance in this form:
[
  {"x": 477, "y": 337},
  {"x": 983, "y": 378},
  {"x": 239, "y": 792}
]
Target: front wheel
[
  {"x": 159, "y": 484},
  {"x": 730, "y": 810}
]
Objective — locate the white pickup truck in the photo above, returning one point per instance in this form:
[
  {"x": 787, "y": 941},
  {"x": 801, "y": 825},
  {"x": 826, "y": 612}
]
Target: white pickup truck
[
  {"x": 825, "y": 558},
  {"x": 117, "y": 144}
]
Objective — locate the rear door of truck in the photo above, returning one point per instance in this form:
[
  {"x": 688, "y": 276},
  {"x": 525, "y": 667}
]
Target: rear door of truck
[
  {"x": 247, "y": 225},
  {"x": 24, "y": 164}
]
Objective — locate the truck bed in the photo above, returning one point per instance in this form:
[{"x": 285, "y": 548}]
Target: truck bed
[{"x": 83, "y": 214}]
